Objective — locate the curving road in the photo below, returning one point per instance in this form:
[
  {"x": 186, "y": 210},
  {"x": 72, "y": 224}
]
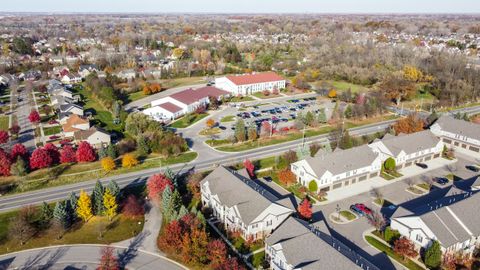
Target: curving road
[{"x": 84, "y": 257}]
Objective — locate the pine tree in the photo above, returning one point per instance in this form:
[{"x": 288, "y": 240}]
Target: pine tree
[
  {"x": 328, "y": 147},
  {"x": 322, "y": 117},
  {"x": 84, "y": 206},
  {"x": 60, "y": 214},
  {"x": 142, "y": 146},
  {"x": 182, "y": 212},
  {"x": 97, "y": 199},
  {"x": 171, "y": 175},
  {"x": 176, "y": 201},
  {"x": 102, "y": 152},
  {"x": 112, "y": 151},
  {"x": 47, "y": 213},
  {"x": 166, "y": 202},
  {"x": 201, "y": 218},
  {"x": 240, "y": 130},
  {"x": 110, "y": 204},
  {"x": 72, "y": 201},
  {"x": 114, "y": 188},
  {"x": 302, "y": 152},
  {"x": 433, "y": 255}
]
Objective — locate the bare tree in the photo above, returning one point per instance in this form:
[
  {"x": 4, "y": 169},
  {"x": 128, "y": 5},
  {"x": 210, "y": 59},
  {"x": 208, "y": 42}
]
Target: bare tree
[
  {"x": 410, "y": 182},
  {"x": 377, "y": 194},
  {"x": 21, "y": 227},
  {"x": 377, "y": 220}
]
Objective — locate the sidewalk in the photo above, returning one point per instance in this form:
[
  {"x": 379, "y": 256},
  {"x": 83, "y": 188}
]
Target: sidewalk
[{"x": 376, "y": 182}]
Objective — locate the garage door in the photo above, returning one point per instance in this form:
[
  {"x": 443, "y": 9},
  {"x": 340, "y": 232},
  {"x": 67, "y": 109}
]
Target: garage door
[
  {"x": 475, "y": 149},
  {"x": 362, "y": 178},
  {"x": 337, "y": 186},
  {"x": 447, "y": 141},
  {"x": 428, "y": 158},
  {"x": 373, "y": 174},
  {"x": 436, "y": 155},
  {"x": 408, "y": 164}
]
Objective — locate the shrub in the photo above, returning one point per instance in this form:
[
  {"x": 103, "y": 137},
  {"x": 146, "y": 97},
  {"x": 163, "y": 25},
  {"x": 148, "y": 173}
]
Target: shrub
[
  {"x": 433, "y": 255},
  {"x": 389, "y": 164},
  {"x": 312, "y": 186},
  {"x": 391, "y": 235},
  {"x": 129, "y": 161}
]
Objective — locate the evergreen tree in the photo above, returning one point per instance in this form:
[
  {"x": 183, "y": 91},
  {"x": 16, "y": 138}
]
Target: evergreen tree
[
  {"x": 346, "y": 142},
  {"x": 112, "y": 151},
  {"x": 182, "y": 212},
  {"x": 167, "y": 203},
  {"x": 240, "y": 130},
  {"x": 328, "y": 147},
  {"x": 309, "y": 118},
  {"x": 114, "y": 188},
  {"x": 302, "y": 152},
  {"x": 19, "y": 168},
  {"x": 72, "y": 201},
  {"x": 170, "y": 174},
  {"x": 142, "y": 146},
  {"x": 97, "y": 199},
  {"x": 433, "y": 255},
  {"x": 102, "y": 152},
  {"x": 176, "y": 201},
  {"x": 47, "y": 213},
  {"x": 60, "y": 215},
  {"x": 201, "y": 218},
  {"x": 348, "y": 113},
  {"x": 322, "y": 116}
]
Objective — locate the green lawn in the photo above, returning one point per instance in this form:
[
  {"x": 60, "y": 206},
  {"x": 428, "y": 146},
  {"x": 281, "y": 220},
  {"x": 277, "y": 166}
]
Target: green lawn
[
  {"x": 347, "y": 214},
  {"x": 52, "y": 130},
  {"x": 188, "y": 120},
  {"x": 228, "y": 118},
  {"x": 4, "y": 122},
  {"x": 257, "y": 259},
  {"x": 210, "y": 131},
  {"x": 262, "y": 96},
  {"x": 344, "y": 86},
  {"x": 136, "y": 96},
  {"x": 390, "y": 253},
  {"x": 382, "y": 202},
  {"x": 424, "y": 186},
  {"x": 119, "y": 229},
  {"x": 241, "y": 99}
]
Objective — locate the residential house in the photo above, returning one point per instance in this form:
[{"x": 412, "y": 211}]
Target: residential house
[
  {"x": 458, "y": 133},
  {"x": 71, "y": 108},
  {"x": 295, "y": 245},
  {"x": 247, "y": 84},
  {"x": 409, "y": 149},
  {"x": 152, "y": 73},
  {"x": 85, "y": 70},
  {"x": 452, "y": 220},
  {"x": 75, "y": 123},
  {"x": 242, "y": 205},
  {"x": 338, "y": 169},
  {"x": 71, "y": 78},
  {"x": 94, "y": 136},
  {"x": 184, "y": 102},
  {"x": 127, "y": 74}
]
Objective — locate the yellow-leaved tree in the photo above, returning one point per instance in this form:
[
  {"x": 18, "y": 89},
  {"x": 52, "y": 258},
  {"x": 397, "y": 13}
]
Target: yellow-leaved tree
[
  {"x": 84, "y": 206},
  {"x": 108, "y": 164},
  {"x": 129, "y": 161},
  {"x": 110, "y": 204}
]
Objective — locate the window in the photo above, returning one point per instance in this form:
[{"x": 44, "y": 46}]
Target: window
[
  {"x": 269, "y": 222},
  {"x": 419, "y": 238}
]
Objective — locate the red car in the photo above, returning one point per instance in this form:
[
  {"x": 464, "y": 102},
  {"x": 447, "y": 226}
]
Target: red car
[{"x": 362, "y": 207}]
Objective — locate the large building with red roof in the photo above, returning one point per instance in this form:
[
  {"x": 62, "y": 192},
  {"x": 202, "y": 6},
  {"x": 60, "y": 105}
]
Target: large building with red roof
[
  {"x": 183, "y": 102},
  {"x": 247, "y": 84}
]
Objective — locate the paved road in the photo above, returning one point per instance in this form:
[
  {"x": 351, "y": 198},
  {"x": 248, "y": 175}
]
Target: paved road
[
  {"x": 147, "y": 100},
  {"x": 24, "y": 107},
  {"x": 203, "y": 162},
  {"x": 84, "y": 257},
  {"x": 403, "y": 111}
]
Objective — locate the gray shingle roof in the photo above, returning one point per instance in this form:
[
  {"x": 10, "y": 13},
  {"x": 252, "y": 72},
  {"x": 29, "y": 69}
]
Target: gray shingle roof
[
  {"x": 461, "y": 127},
  {"x": 234, "y": 189},
  {"x": 411, "y": 143},
  {"x": 303, "y": 249},
  {"x": 342, "y": 161}
]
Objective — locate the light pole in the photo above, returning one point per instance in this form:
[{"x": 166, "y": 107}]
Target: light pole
[{"x": 338, "y": 211}]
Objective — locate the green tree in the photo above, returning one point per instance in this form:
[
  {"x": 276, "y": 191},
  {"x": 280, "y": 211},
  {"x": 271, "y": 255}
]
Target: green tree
[
  {"x": 142, "y": 146},
  {"x": 312, "y": 186},
  {"x": 114, "y": 188},
  {"x": 97, "y": 198},
  {"x": 167, "y": 203},
  {"x": 112, "y": 151},
  {"x": 60, "y": 215},
  {"x": 72, "y": 201},
  {"x": 389, "y": 165},
  {"x": 322, "y": 116},
  {"x": 47, "y": 213},
  {"x": 182, "y": 212},
  {"x": 391, "y": 235},
  {"x": 240, "y": 130},
  {"x": 170, "y": 174},
  {"x": 433, "y": 256},
  {"x": 19, "y": 168},
  {"x": 346, "y": 141},
  {"x": 102, "y": 152},
  {"x": 309, "y": 118},
  {"x": 348, "y": 113}
]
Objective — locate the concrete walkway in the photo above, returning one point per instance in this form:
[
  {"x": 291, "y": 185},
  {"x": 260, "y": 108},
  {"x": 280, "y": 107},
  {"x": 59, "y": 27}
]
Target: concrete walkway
[{"x": 377, "y": 182}]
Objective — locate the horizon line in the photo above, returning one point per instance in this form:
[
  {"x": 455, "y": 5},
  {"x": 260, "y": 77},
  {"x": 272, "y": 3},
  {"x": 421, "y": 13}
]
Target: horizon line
[{"x": 236, "y": 13}]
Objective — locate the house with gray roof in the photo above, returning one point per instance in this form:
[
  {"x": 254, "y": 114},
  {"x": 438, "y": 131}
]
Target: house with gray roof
[
  {"x": 242, "y": 205},
  {"x": 296, "y": 245},
  {"x": 452, "y": 220},
  {"x": 458, "y": 133}
]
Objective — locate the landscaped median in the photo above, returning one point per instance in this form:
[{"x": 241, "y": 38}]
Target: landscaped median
[
  {"x": 188, "y": 120},
  {"x": 408, "y": 263}
]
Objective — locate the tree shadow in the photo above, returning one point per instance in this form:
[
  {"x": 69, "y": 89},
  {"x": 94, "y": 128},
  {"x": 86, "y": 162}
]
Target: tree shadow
[
  {"x": 5, "y": 264},
  {"x": 34, "y": 262},
  {"x": 127, "y": 255}
]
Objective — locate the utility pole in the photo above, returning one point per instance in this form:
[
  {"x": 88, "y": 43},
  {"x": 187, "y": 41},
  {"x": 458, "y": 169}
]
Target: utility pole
[{"x": 303, "y": 143}]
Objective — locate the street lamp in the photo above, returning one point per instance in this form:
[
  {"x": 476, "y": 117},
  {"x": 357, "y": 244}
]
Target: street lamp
[{"x": 338, "y": 211}]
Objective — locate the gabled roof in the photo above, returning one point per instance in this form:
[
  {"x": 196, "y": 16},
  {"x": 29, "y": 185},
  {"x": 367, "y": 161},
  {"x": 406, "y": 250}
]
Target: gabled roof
[
  {"x": 170, "y": 107},
  {"x": 66, "y": 107},
  {"x": 72, "y": 121},
  {"x": 210, "y": 91},
  {"x": 461, "y": 127},
  {"x": 233, "y": 189},
  {"x": 342, "y": 161},
  {"x": 411, "y": 143},
  {"x": 254, "y": 78},
  {"x": 82, "y": 135},
  {"x": 304, "y": 249},
  {"x": 187, "y": 96}
]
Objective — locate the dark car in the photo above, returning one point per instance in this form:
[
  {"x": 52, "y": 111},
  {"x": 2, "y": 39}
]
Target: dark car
[
  {"x": 20, "y": 99},
  {"x": 357, "y": 211},
  {"x": 472, "y": 168},
  {"x": 222, "y": 127},
  {"x": 268, "y": 178},
  {"x": 362, "y": 207},
  {"x": 422, "y": 165},
  {"x": 441, "y": 180}
]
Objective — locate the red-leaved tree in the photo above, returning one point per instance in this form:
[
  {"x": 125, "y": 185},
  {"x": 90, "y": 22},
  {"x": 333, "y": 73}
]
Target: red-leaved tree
[
  {"x": 19, "y": 150},
  {"x": 4, "y": 136},
  {"x": 52, "y": 151},
  {"x": 217, "y": 252},
  {"x": 171, "y": 240},
  {"x": 305, "y": 209},
  {"x": 156, "y": 185},
  {"x": 67, "y": 155},
  {"x": 5, "y": 163},
  {"x": 230, "y": 264},
  {"x": 85, "y": 152},
  {"x": 405, "y": 248},
  {"x": 40, "y": 159},
  {"x": 34, "y": 117},
  {"x": 250, "y": 167},
  {"x": 108, "y": 261},
  {"x": 132, "y": 207}
]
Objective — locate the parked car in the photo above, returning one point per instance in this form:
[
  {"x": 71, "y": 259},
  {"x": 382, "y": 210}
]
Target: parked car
[
  {"x": 422, "y": 165},
  {"x": 355, "y": 210},
  {"x": 222, "y": 127},
  {"x": 362, "y": 207},
  {"x": 441, "y": 180},
  {"x": 472, "y": 168}
]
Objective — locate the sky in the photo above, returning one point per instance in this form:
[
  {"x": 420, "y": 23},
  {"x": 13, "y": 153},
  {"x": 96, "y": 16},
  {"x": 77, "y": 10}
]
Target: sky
[{"x": 244, "y": 6}]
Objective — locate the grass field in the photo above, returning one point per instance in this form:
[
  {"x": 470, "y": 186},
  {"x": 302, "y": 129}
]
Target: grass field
[
  {"x": 52, "y": 130},
  {"x": 343, "y": 86},
  {"x": 241, "y": 99},
  {"x": 119, "y": 229},
  {"x": 347, "y": 214},
  {"x": 262, "y": 96},
  {"x": 168, "y": 83},
  {"x": 4, "y": 122},
  {"x": 186, "y": 121},
  {"x": 388, "y": 251},
  {"x": 228, "y": 118}
]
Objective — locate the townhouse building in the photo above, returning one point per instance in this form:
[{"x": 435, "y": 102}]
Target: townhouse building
[
  {"x": 458, "y": 134},
  {"x": 241, "y": 205},
  {"x": 247, "y": 84}
]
